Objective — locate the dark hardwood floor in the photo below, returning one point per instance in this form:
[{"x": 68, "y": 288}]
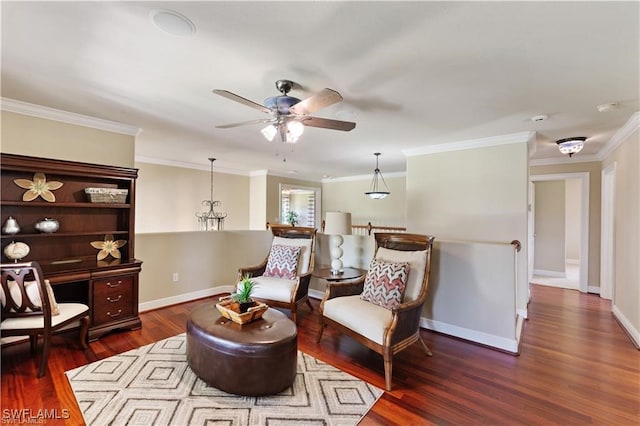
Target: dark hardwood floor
[{"x": 576, "y": 367}]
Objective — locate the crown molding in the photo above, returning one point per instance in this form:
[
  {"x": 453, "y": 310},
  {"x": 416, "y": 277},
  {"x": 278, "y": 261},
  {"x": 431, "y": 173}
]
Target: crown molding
[
  {"x": 362, "y": 177},
  {"x": 187, "y": 165},
  {"x": 623, "y": 133},
  {"x": 39, "y": 111},
  {"x": 521, "y": 137},
  {"x": 565, "y": 159}
]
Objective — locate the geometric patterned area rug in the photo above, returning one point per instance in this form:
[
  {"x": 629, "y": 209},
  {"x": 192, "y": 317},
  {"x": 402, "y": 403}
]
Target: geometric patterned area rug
[{"x": 153, "y": 385}]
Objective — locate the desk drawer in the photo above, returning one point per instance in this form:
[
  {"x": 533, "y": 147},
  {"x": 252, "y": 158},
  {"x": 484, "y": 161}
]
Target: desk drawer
[{"x": 112, "y": 299}]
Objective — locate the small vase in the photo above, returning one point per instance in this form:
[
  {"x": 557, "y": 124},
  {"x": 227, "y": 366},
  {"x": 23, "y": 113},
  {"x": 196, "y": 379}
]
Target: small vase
[{"x": 11, "y": 226}]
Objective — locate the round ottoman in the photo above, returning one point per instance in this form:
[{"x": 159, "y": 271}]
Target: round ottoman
[{"x": 253, "y": 359}]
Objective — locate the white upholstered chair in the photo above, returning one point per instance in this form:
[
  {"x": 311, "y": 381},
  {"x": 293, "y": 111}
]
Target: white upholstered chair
[
  {"x": 278, "y": 282},
  {"x": 29, "y": 308},
  {"x": 385, "y": 319}
]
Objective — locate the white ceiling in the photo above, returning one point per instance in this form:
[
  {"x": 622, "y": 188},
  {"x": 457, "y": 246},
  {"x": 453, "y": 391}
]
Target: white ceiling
[{"x": 412, "y": 74}]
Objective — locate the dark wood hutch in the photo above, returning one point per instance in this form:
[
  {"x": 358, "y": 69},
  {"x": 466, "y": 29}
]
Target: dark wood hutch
[{"x": 110, "y": 286}]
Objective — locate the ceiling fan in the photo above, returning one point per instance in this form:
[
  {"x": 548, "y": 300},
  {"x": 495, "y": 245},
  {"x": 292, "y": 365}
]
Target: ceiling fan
[{"x": 290, "y": 115}]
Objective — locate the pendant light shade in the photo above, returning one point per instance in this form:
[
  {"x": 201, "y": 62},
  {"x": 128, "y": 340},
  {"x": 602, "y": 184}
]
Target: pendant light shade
[
  {"x": 571, "y": 145},
  {"x": 377, "y": 191}
]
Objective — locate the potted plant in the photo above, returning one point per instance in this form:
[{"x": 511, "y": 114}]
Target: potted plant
[
  {"x": 243, "y": 293},
  {"x": 292, "y": 218}
]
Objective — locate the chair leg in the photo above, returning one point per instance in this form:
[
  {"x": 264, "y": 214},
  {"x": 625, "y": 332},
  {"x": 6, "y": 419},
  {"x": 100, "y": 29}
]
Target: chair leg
[
  {"x": 46, "y": 345},
  {"x": 84, "y": 331},
  {"x": 425, "y": 347},
  {"x": 388, "y": 368},
  {"x": 33, "y": 343},
  {"x": 309, "y": 304}
]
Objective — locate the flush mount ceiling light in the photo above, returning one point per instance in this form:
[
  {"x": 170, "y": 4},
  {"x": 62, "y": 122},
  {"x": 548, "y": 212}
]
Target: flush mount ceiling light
[
  {"x": 571, "y": 145},
  {"x": 376, "y": 193},
  {"x": 172, "y": 22}
]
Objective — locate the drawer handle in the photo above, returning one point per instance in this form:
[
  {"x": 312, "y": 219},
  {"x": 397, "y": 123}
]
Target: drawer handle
[
  {"x": 114, "y": 300},
  {"x": 112, "y": 285},
  {"x": 115, "y": 314}
]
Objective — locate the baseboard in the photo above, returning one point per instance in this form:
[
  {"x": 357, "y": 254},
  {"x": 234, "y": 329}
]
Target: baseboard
[
  {"x": 545, "y": 273},
  {"x": 506, "y": 345},
  {"x": 629, "y": 329},
  {"x": 593, "y": 289},
  {"x": 186, "y": 297},
  {"x": 523, "y": 313}
]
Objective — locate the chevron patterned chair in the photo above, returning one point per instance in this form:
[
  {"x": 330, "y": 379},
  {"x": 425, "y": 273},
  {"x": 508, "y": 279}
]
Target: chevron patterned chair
[
  {"x": 282, "y": 278},
  {"x": 382, "y": 310}
]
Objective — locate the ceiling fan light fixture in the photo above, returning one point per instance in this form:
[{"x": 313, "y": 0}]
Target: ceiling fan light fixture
[
  {"x": 572, "y": 145},
  {"x": 295, "y": 129},
  {"x": 376, "y": 192},
  {"x": 269, "y": 132}
]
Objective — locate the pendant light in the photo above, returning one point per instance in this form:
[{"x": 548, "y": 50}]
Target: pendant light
[
  {"x": 376, "y": 192},
  {"x": 211, "y": 220}
]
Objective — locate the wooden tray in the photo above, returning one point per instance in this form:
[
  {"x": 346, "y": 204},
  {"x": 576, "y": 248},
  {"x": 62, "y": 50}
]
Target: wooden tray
[{"x": 231, "y": 310}]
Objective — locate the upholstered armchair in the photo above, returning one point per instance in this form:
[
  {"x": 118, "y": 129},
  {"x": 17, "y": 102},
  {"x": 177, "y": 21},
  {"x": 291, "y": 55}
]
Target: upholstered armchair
[
  {"x": 382, "y": 310},
  {"x": 29, "y": 308},
  {"x": 282, "y": 279}
]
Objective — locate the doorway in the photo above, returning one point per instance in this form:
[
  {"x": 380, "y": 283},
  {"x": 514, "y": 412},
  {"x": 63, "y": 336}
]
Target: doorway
[{"x": 569, "y": 223}]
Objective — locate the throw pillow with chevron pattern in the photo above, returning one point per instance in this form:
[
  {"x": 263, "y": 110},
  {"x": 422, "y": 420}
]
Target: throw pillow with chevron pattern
[
  {"x": 283, "y": 261},
  {"x": 385, "y": 283}
]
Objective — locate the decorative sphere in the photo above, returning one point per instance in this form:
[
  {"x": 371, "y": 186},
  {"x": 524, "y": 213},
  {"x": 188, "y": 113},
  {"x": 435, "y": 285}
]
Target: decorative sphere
[{"x": 16, "y": 250}]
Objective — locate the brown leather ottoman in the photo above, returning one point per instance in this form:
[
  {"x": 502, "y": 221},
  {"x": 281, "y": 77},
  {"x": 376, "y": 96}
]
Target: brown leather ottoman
[{"x": 257, "y": 358}]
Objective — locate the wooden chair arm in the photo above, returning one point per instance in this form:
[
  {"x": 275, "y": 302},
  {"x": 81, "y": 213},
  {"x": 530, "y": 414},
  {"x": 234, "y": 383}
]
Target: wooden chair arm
[
  {"x": 253, "y": 271},
  {"x": 303, "y": 285},
  {"x": 343, "y": 288},
  {"x": 406, "y": 319}
]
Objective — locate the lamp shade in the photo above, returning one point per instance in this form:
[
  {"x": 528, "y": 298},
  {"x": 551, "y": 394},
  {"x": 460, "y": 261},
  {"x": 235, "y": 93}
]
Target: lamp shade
[{"x": 337, "y": 223}]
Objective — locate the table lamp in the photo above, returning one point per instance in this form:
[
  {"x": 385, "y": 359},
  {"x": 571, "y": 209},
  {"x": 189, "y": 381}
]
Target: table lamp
[{"x": 337, "y": 224}]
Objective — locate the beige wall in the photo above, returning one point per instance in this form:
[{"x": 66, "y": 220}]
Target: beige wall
[
  {"x": 594, "y": 170},
  {"x": 203, "y": 261},
  {"x": 463, "y": 198},
  {"x": 549, "y": 228},
  {"x": 258, "y": 202},
  {"x": 348, "y": 196},
  {"x": 168, "y": 198},
  {"x": 39, "y": 137},
  {"x": 626, "y": 292}
]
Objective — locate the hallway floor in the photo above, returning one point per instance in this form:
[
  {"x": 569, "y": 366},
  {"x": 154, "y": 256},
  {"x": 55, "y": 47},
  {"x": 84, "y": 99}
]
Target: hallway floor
[{"x": 571, "y": 281}]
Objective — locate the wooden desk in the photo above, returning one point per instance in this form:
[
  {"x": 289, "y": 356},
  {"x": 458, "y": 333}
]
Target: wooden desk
[{"x": 348, "y": 274}]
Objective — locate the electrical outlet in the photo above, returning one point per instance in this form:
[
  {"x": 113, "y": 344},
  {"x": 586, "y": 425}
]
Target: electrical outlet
[{"x": 176, "y": 277}]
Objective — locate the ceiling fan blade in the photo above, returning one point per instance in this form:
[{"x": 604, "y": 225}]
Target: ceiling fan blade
[
  {"x": 326, "y": 123},
  {"x": 313, "y": 103},
  {"x": 245, "y": 123},
  {"x": 240, "y": 99}
]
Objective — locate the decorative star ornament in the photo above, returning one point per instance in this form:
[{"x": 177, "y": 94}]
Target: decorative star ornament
[
  {"x": 38, "y": 187},
  {"x": 108, "y": 247}
]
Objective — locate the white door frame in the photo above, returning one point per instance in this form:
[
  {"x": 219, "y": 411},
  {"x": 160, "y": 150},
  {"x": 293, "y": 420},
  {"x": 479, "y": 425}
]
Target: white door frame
[
  {"x": 584, "y": 219},
  {"x": 607, "y": 232}
]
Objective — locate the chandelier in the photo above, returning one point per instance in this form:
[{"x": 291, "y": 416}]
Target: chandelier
[
  {"x": 211, "y": 220},
  {"x": 375, "y": 192}
]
